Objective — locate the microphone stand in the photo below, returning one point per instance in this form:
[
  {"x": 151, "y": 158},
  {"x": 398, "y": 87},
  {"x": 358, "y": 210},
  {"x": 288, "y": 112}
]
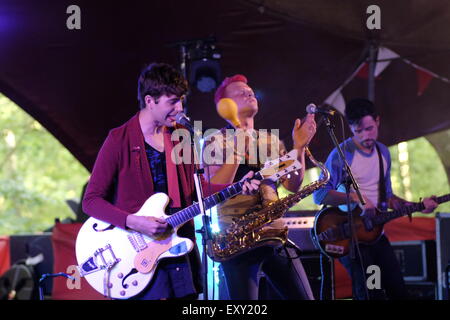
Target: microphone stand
[
  {"x": 206, "y": 228},
  {"x": 50, "y": 275},
  {"x": 349, "y": 181}
]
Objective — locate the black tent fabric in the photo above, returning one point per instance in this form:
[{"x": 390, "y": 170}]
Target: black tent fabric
[{"x": 81, "y": 83}]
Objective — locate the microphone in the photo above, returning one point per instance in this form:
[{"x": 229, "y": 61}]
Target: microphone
[
  {"x": 228, "y": 110},
  {"x": 312, "y": 108},
  {"x": 182, "y": 119}
]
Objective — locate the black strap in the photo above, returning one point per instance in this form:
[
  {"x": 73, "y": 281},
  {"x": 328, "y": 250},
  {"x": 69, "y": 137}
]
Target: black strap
[{"x": 382, "y": 201}]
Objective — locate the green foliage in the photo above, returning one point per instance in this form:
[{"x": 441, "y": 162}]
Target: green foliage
[
  {"x": 37, "y": 174},
  {"x": 427, "y": 173}
]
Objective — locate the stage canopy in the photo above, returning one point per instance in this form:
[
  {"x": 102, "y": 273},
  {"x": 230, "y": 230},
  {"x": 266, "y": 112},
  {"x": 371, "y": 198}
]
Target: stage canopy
[{"x": 80, "y": 83}]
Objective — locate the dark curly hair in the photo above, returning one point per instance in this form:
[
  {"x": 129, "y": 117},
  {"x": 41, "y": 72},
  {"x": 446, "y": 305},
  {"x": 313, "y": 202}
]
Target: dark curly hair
[
  {"x": 158, "y": 79},
  {"x": 357, "y": 109}
]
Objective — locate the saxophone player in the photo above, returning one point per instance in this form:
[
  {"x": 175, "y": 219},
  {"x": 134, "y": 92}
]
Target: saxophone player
[{"x": 286, "y": 276}]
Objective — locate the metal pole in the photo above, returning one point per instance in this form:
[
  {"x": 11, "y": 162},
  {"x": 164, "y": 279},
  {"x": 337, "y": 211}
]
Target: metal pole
[
  {"x": 183, "y": 55},
  {"x": 373, "y": 49}
]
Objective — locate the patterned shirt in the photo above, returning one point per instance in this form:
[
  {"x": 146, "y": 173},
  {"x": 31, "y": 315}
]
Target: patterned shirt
[
  {"x": 259, "y": 148},
  {"x": 157, "y": 162}
]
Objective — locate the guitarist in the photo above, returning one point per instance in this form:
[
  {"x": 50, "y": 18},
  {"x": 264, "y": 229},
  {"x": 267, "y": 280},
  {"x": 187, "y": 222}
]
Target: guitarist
[
  {"x": 135, "y": 162},
  {"x": 365, "y": 155}
]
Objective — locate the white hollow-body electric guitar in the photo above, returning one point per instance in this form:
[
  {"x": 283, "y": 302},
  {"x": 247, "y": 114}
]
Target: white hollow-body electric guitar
[{"x": 120, "y": 263}]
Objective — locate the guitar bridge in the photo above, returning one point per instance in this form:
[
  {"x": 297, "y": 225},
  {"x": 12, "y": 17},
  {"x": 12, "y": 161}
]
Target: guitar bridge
[{"x": 102, "y": 259}]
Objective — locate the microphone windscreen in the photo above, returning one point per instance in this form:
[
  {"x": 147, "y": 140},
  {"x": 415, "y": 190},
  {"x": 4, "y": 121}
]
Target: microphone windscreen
[
  {"x": 180, "y": 117},
  {"x": 311, "y": 108},
  {"x": 228, "y": 110}
]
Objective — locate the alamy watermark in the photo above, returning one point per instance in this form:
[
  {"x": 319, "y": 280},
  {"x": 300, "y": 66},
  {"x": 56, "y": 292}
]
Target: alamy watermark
[
  {"x": 230, "y": 146},
  {"x": 374, "y": 20},
  {"x": 73, "y": 21},
  {"x": 374, "y": 279}
]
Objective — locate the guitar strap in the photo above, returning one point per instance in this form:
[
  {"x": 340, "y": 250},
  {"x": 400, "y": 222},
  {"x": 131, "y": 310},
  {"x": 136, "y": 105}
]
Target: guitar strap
[{"x": 382, "y": 201}]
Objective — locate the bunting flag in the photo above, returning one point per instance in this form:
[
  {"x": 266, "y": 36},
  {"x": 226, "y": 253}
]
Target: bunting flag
[
  {"x": 336, "y": 100},
  {"x": 384, "y": 58},
  {"x": 424, "y": 77},
  {"x": 363, "y": 72},
  {"x": 423, "y": 80}
]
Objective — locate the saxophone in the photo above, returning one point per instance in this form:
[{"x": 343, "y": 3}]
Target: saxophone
[{"x": 248, "y": 232}]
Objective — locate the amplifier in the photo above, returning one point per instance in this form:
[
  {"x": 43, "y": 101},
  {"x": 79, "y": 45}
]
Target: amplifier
[
  {"x": 421, "y": 290},
  {"x": 443, "y": 255},
  {"x": 300, "y": 232},
  {"x": 318, "y": 269},
  {"x": 417, "y": 259}
]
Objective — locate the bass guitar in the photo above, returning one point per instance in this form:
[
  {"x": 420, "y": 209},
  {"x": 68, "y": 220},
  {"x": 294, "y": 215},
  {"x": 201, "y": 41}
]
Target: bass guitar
[
  {"x": 331, "y": 231},
  {"x": 120, "y": 263}
]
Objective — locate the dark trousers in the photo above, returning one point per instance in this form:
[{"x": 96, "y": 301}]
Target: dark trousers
[
  {"x": 171, "y": 280},
  {"x": 382, "y": 255},
  {"x": 286, "y": 276}
]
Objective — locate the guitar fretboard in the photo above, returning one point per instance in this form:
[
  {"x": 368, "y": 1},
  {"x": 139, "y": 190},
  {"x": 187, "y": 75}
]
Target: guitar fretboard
[
  {"x": 190, "y": 212},
  {"x": 406, "y": 210}
]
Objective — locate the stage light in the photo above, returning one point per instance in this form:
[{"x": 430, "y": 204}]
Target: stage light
[{"x": 203, "y": 65}]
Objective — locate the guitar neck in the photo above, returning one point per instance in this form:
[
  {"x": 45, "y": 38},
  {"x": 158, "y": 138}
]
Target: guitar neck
[
  {"x": 406, "y": 210},
  {"x": 192, "y": 211}
]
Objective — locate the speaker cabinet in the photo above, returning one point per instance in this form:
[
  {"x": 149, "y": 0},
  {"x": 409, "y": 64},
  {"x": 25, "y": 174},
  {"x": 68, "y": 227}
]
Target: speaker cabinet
[
  {"x": 417, "y": 259},
  {"x": 319, "y": 270},
  {"x": 443, "y": 255},
  {"x": 421, "y": 290}
]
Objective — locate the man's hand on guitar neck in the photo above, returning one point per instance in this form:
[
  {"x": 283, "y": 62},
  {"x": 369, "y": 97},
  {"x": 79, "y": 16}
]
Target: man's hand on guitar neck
[{"x": 429, "y": 203}]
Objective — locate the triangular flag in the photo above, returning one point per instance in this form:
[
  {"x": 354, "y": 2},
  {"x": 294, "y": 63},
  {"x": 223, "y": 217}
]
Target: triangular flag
[
  {"x": 383, "y": 54},
  {"x": 423, "y": 80},
  {"x": 363, "y": 72},
  {"x": 337, "y": 101}
]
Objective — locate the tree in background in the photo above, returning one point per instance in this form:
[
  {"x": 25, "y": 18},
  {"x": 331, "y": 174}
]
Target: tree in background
[
  {"x": 37, "y": 174},
  {"x": 426, "y": 171}
]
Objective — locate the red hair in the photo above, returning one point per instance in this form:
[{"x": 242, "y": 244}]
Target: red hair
[{"x": 220, "y": 92}]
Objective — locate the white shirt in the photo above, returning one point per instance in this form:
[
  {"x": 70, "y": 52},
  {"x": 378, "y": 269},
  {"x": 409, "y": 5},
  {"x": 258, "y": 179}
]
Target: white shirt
[{"x": 366, "y": 170}]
